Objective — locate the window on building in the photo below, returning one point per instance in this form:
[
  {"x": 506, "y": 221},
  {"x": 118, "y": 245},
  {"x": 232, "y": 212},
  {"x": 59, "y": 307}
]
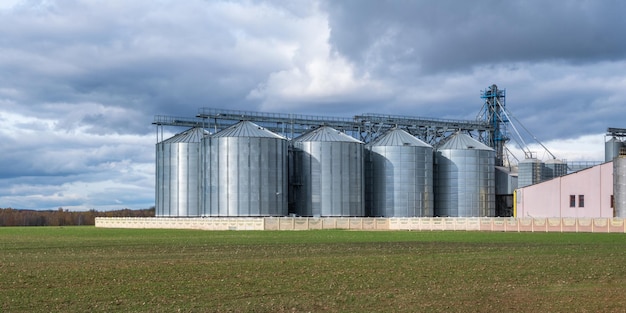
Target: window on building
[
  {"x": 581, "y": 201},
  {"x": 572, "y": 201}
]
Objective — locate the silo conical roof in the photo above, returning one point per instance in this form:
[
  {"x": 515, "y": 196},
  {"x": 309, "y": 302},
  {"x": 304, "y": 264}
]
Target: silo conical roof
[
  {"x": 461, "y": 141},
  {"x": 398, "y": 137},
  {"x": 247, "y": 129},
  {"x": 613, "y": 139},
  {"x": 194, "y": 134},
  {"x": 326, "y": 134}
]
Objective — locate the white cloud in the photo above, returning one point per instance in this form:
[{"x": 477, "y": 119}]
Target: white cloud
[
  {"x": 316, "y": 75},
  {"x": 321, "y": 80},
  {"x": 582, "y": 148},
  {"x": 52, "y": 166},
  {"x": 118, "y": 193}
]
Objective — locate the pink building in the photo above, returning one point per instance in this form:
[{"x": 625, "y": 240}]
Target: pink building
[{"x": 586, "y": 193}]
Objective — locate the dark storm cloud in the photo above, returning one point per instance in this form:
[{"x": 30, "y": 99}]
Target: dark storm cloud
[
  {"x": 165, "y": 60},
  {"x": 560, "y": 61},
  {"x": 415, "y": 37}
]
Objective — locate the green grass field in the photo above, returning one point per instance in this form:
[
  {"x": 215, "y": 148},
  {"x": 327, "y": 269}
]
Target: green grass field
[{"x": 87, "y": 269}]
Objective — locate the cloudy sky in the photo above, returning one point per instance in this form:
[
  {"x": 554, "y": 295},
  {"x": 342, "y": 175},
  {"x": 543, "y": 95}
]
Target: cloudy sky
[{"x": 81, "y": 81}]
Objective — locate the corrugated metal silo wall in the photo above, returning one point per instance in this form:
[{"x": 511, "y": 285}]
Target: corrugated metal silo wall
[
  {"x": 401, "y": 181},
  {"x": 530, "y": 171},
  {"x": 554, "y": 169},
  {"x": 465, "y": 183},
  {"x": 619, "y": 186},
  {"x": 178, "y": 179},
  {"x": 205, "y": 176},
  {"x": 330, "y": 178},
  {"x": 245, "y": 176},
  {"x": 292, "y": 181},
  {"x": 368, "y": 183}
]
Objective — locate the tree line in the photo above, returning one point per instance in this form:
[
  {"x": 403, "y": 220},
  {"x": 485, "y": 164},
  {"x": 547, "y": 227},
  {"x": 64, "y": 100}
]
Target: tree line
[{"x": 61, "y": 217}]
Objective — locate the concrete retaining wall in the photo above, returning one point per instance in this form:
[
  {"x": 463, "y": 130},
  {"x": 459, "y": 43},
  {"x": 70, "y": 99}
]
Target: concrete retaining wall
[{"x": 593, "y": 225}]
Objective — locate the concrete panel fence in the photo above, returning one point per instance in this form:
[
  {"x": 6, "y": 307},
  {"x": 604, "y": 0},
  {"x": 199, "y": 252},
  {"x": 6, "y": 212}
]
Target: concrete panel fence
[{"x": 586, "y": 225}]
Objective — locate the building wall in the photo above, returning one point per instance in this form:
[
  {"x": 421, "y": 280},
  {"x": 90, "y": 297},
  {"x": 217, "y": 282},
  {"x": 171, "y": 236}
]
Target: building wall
[{"x": 552, "y": 198}]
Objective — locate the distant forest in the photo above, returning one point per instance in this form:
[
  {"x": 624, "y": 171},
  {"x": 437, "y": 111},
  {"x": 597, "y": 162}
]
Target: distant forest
[{"x": 60, "y": 217}]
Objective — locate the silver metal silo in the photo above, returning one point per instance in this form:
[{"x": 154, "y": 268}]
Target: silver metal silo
[
  {"x": 619, "y": 186},
  {"x": 530, "y": 172},
  {"x": 178, "y": 178},
  {"x": 400, "y": 170},
  {"x": 554, "y": 168},
  {"x": 612, "y": 148},
  {"x": 245, "y": 169},
  {"x": 465, "y": 178},
  {"x": 328, "y": 174}
]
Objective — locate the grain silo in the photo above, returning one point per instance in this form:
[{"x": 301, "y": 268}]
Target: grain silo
[
  {"x": 612, "y": 148},
  {"x": 619, "y": 185},
  {"x": 178, "y": 165},
  {"x": 553, "y": 168},
  {"x": 530, "y": 172},
  {"x": 328, "y": 174},
  {"x": 465, "y": 178},
  {"x": 400, "y": 171},
  {"x": 245, "y": 169}
]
